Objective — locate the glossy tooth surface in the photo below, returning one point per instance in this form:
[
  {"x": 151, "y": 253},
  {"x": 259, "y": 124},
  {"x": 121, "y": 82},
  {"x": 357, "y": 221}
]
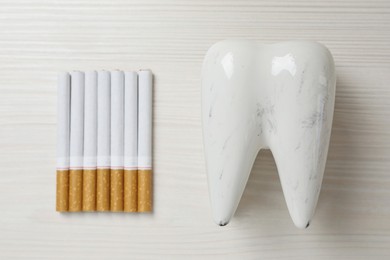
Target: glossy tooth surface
[{"x": 278, "y": 97}]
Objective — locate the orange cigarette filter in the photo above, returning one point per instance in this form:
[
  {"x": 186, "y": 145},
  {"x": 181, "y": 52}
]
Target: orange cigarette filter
[
  {"x": 62, "y": 196},
  {"x": 103, "y": 190},
  {"x": 75, "y": 190},
  {"x": 116, "y": 195},
  {"x": 89, "y": 190},
  {"x": 144, "y": 190},
  {"x": 130, "y": 190}
]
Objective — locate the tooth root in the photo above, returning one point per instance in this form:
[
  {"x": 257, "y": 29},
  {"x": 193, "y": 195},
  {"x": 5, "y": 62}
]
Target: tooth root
[
  {"x": 301, "y": 163},
  {"x": 300, "y": 148},
  {"x": 228, "y": 174},
  {"x": 230, "y": 154},
  {"x": 229, "y": 135}
]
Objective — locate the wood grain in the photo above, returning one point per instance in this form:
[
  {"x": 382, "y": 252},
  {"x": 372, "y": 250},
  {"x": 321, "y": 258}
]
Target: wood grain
[{"x": 40, "y": 38}]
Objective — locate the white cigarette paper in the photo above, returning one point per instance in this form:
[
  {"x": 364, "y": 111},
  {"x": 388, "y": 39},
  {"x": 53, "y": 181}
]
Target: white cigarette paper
[
  {"x": 90, "y": 120},
  {"x": 104, "y": 119},
  {"x": 63, "y": 121},
  {"x": 145, "y": 95},
  {"x": 77, "y": 120},
  {"x": 131, "y": 121},
  {"x": 117, "y": 119}
]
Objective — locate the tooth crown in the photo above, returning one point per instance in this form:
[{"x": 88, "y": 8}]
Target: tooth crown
[{"x": 257, "y": 96}]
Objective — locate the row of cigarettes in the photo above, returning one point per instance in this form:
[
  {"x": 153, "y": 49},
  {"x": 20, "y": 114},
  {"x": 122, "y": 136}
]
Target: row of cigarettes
[{"x": 104, "y": 150}]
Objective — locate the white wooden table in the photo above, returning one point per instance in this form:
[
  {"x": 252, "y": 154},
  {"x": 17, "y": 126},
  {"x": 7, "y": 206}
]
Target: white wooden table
[{"x": 40, "y": 38}]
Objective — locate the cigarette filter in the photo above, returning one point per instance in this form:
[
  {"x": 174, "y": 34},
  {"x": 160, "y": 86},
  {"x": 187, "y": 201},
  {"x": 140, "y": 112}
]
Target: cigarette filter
[
  {"x": 76, "y": 141},
  {"x": 103, "y": 142},
  {"x": 63, "y": 131},
  {"x": 90, "y": 142},
  {"x": 103, "y": 190},
  {"x": 131, "y": 142},
  {"x": 145, "y": 99},
  {"x": 117, "y": 138}
]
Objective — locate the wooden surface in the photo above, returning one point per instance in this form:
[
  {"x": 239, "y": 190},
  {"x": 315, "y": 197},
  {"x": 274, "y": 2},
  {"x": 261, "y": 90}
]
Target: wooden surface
[{"x": 40, "y": 38}]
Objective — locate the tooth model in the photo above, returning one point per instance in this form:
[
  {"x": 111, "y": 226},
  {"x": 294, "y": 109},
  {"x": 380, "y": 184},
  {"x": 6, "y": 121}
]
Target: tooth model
[{"x": 278, "y": 97}]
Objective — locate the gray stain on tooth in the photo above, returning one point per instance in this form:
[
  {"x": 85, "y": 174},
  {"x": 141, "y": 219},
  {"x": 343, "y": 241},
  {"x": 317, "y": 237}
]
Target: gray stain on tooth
[
  {"x": 302, "y": 80},
  {"x": 295, "y": 185},
  {"x": 221, "y": 175},
  {"x": 311, "y": 121},
  {"x": 226, "y": 142},
  {"x": 272, "y": 127},
  {"x": 211, "y": 87},
  {"x": 259, "y": 110}
]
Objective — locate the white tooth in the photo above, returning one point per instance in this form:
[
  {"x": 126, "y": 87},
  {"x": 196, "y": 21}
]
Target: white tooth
[{"x": 257, "y": 96}]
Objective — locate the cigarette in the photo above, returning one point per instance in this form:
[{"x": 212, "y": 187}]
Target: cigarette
[
  {"x": 76, "y": 141},
  {"x": 117, "y": 138},
  {"x": 90, "y": 142},
  {"x": 145, "y": 103},
  {"x": 131, "y": 142},
  {"x": 103, "y": 142},
  {"x": 63, "y": 131}
]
